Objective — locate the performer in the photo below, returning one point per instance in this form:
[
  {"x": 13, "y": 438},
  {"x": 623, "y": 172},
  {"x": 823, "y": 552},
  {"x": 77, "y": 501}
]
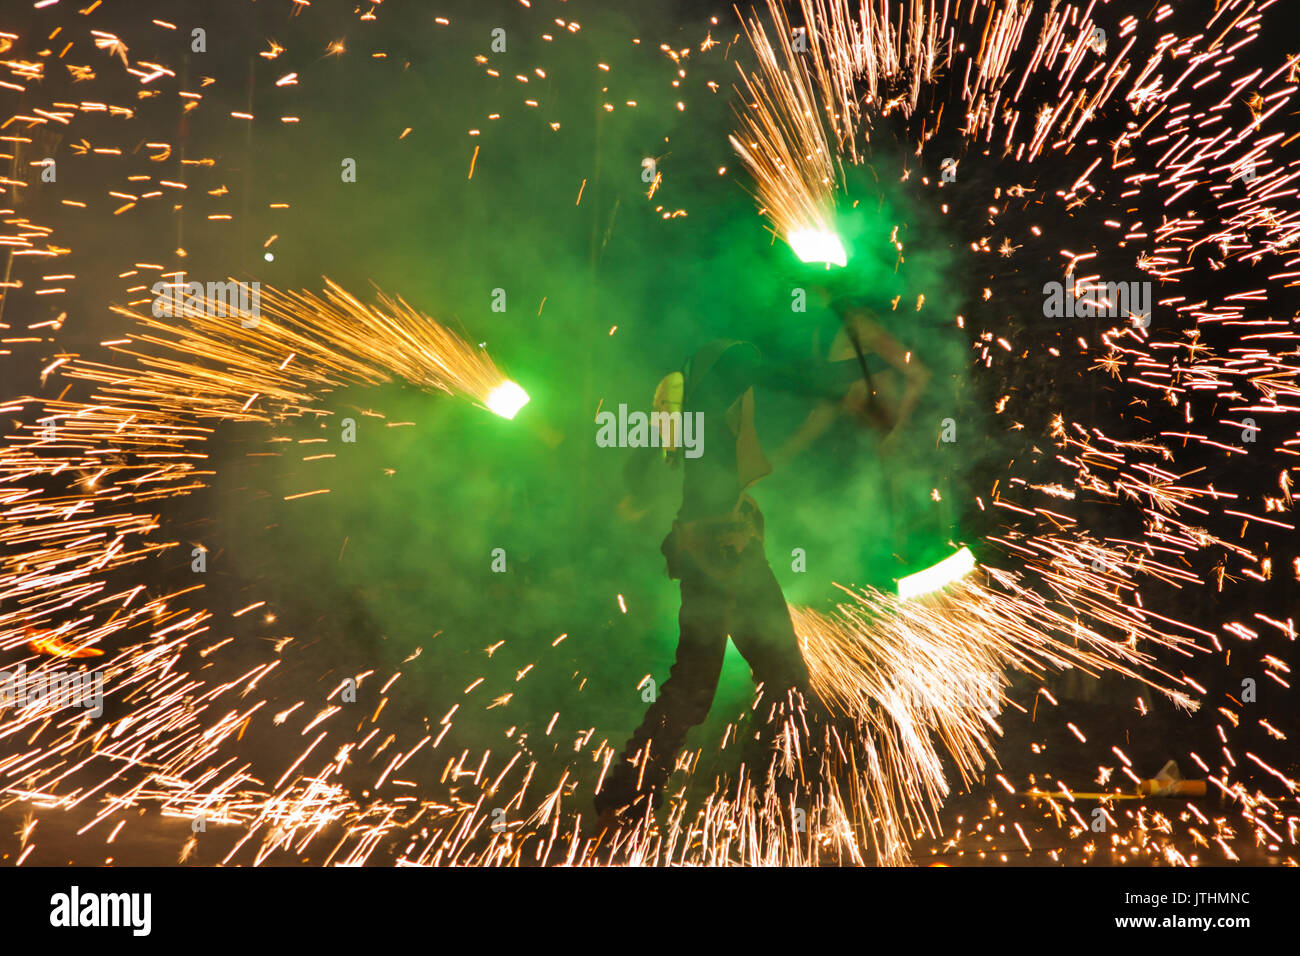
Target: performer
[{"x": 715, "y": 550}]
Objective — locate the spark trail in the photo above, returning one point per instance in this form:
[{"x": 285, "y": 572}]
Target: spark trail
[{"x": 1154, "y": 148}]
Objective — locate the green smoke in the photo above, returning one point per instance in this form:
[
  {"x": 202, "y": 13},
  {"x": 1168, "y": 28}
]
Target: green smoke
[{"x": 405, "y": 543}]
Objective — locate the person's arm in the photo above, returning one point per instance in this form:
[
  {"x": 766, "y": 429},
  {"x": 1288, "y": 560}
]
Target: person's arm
[
  {"x": 915, "y": 374},
  {"x": 826, "y": 381},
  {"x": 832, "y": 385},
  {"x": 813, "y": 427}
]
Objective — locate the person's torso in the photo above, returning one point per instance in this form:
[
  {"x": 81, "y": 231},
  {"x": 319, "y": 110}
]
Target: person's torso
[{"x": 719, "y": 392}]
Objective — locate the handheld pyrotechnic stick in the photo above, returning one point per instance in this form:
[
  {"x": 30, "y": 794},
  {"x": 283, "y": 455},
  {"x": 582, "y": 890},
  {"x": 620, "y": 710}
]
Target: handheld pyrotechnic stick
[
  {"x": 823, "y": 247},
  {"x": 948, "y": 570}
]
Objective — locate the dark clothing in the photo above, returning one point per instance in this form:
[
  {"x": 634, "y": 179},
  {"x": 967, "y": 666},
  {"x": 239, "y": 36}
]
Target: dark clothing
[
  {"x": 752, "y": 610},
  {"x": 819, "y": 378},
  {"x": 718, "y": 381},
  {"x": 728, "y": 589}
]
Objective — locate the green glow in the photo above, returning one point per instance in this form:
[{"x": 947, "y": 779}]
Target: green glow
[
  {"x": 818, "y": 245},
  {"x": 506, "y": 399},
  {"x": 394, "y": 559},
  {"x": 933, "y": 578}
]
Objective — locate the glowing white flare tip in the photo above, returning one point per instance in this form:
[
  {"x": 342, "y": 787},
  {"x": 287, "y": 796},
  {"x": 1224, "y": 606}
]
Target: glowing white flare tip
[
  {"x": 932, "y": 579},
  {"x": 506, "y": 399},
  {"x": 818, "y": 245}
]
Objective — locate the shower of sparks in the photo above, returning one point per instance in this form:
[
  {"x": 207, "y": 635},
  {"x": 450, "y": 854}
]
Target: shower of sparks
[
  {"x": 83, "y": 480},
  {"x": 818, "y": 88},
  {"x": 1020, "y": 88},
  {"x": 225, "y": 363},
  {"x": 927, "y": 675}
]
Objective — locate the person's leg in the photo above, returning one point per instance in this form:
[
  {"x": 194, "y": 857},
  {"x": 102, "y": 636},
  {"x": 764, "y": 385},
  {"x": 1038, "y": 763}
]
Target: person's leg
[
  {"x": 683, "y": 701},
  {"x": 764, "y": 633}
]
